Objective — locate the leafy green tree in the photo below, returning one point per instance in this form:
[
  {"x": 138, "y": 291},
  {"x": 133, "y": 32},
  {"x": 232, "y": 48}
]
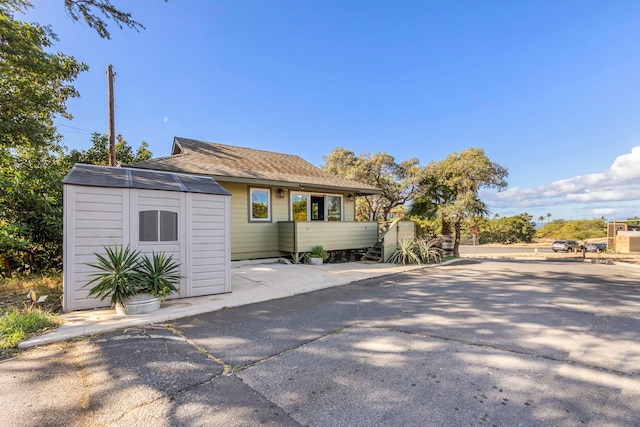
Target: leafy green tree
[
  {"x": 98, "y": 154},
  {"x": 34, "y": 83},
  {"x": 398, "y": 181},
  {"x": 31, "y": 209},
  {"x": 515, "y": 229},
  {"x": 450, "y": 189},
  {"x": 96, "y": 13}
]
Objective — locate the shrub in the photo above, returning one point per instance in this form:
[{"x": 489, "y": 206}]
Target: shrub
[
  {"x": 414, "y": 250},
  {"x": 318, "y": 252}
]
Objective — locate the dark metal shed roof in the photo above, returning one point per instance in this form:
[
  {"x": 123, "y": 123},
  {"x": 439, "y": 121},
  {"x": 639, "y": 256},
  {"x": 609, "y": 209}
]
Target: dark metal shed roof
[{"x": 115, "y": 177}]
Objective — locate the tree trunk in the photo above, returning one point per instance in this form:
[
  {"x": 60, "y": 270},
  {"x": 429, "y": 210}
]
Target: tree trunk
[
  {"x": 456, "y": 243},
  {"x": 446, "y": 227}
]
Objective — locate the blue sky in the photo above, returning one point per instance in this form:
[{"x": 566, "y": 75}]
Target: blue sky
[{"x": 549, "y": 89}]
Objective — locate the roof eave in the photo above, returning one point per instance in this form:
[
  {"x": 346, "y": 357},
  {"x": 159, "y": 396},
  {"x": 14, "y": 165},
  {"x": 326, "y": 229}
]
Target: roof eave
[{"x": 297, "y": 185}]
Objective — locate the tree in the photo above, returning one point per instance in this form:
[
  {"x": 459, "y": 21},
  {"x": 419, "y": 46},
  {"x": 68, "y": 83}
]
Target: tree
[
  {"x": 515, "y": 229},
  {"x": 397, "y": 181},
  {"x": 34, "y": 84},
  {"x": 98, "y": 154},
  {"x": 90, "y": 11},
  {"x": 30, "y": 209},
  {"x": 450, "y": 188}
]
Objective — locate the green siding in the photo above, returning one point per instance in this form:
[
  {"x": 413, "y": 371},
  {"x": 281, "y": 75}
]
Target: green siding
[
  {"x": 272, "y": 239},
  {"x": 334, "y": 235},
  {"x": 397, "y": 232},
  {"x": 286, "y": 235}
]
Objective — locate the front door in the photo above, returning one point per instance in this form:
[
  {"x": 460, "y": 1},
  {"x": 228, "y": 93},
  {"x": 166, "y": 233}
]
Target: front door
[{"x": 317, "y": 208}]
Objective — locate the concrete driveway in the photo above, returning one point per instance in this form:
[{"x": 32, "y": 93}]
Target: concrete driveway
[{"x": 494, "y": 343}]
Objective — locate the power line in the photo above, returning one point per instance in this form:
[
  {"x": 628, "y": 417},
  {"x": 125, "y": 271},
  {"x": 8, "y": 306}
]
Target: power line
[{"x": 75, "y": 128}]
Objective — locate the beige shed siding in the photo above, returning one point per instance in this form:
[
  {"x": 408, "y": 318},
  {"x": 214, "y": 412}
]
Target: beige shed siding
[
  {"x": 91, "y": 221},
  {"x": 208, "y": 264},
  {"x": 142, "y": 200},
  {"x": 95, "y": 217}
]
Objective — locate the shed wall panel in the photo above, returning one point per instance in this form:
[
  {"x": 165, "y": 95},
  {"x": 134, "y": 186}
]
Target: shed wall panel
[{"x": 80, "y": 243}]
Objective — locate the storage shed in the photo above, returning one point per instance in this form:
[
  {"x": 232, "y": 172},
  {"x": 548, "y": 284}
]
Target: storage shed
[{"x": 187, "y": 216}]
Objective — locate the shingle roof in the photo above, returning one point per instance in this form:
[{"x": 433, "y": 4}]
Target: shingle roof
[
  {"x": 106, "y": 176},
  {"x": 230, "y": 163}
]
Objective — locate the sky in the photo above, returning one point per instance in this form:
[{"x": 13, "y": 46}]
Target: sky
[{"x": 549, "y": 89}]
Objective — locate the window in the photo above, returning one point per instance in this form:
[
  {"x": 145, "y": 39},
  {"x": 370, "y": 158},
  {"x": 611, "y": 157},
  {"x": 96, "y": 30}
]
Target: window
[
  {"x": 317, "y": 208},
  {"x": 260, "y": 204},
  {"x": 299, "y": 207},
  {"x": 305, "y": 207},
  {"x": 334, "y": 208},
  {"x": 158, "y": 226}
]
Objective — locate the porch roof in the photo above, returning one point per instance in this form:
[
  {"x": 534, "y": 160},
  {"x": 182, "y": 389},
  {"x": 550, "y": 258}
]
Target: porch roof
[{"x": 239, "y": 164}]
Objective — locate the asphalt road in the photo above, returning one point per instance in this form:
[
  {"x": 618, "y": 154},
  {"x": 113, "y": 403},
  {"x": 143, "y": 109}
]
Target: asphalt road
[
  {"x": 492, "y": 343},
  {"x": 469, "y": 250}
]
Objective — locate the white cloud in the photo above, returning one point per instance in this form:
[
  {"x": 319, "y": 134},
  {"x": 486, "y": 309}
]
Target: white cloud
[{"x": 615, "y": 191}]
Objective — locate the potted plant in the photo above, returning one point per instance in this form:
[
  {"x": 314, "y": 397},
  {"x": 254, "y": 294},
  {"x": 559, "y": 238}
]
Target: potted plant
[
  {"x": 317, "y": 255},
  {"x": 135, "y": 284},
  {"x": 154, "y": 278},
  {"x": 115, "y": 280}
]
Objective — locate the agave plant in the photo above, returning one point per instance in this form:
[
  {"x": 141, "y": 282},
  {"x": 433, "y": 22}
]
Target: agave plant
[
  {"x": 412, "y": 250},
  {"x": 406, "y": 252},
  {"x": 428, "y": 252},
  {"x": 117, "y": 277},
  {"x": 158, "y": 275}
]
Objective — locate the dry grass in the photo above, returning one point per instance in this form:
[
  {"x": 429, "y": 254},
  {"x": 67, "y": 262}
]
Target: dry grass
[{"x": 13, "y": 291}]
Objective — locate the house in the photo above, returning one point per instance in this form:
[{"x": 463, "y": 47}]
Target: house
[
  {"x": 185, "y": 216},
  {"x": 281, "y": 205}
]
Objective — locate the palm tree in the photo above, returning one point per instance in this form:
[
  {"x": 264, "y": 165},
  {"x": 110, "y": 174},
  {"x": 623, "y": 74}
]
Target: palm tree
[{"x": 548, "y": 216}]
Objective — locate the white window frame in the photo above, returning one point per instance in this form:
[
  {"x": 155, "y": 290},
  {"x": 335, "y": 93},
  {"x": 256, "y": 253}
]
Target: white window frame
[
  {"x": 292, "y": 194},
  {"x": 254, "y": 190},
  {"x": 326, "y": 205}
]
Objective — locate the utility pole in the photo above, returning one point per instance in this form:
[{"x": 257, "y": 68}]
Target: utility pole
[{"x": 112, "y": 121}]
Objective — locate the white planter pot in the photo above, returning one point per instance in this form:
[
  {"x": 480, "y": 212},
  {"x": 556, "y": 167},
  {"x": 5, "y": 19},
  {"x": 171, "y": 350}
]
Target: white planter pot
[
  {"x": 139, "y": 304},
  {"x": 315, "y": 261}
]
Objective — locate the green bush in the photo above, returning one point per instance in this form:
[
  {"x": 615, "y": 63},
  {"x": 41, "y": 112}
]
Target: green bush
[
  {"x": 16, "y": 325},
  {"x": 318, "y": 252}
]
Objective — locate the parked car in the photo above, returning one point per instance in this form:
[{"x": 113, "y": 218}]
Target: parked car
[
  {"x": 566, "y": 246},
  {"x": 596, "y": 247}
]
